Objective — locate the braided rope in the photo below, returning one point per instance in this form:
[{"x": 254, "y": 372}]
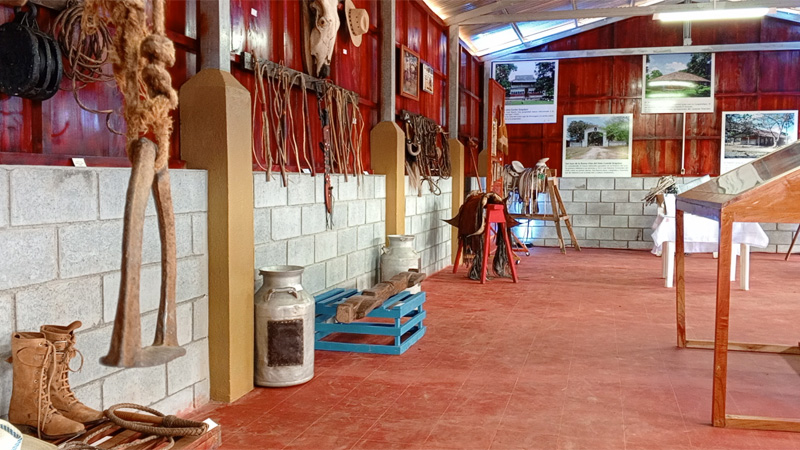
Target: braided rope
[
  {"x": 171, "y": 425},
  {"x": 140, "y": 60},
  {"x": 84, "y": 443}
]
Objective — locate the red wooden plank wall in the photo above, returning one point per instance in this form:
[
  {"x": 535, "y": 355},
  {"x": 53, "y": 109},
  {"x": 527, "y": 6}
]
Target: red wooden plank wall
[
  {"x": 50, "y": 132},
  {"x": 471, "y": 107},
  {"x": 419, "y": 29},
  {"x": 744, "y": 81},
  {"x": 272, "y": 29}
]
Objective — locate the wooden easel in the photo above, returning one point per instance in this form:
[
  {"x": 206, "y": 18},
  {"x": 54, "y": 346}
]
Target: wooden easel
[{"x": 558, "y": 213}]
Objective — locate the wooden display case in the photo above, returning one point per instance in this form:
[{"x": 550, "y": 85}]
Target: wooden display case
[{"x": 765, "y": 190}]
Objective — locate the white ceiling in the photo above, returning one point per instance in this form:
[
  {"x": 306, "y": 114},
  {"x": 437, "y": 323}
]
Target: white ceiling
[{"x": 492, "y": 28}]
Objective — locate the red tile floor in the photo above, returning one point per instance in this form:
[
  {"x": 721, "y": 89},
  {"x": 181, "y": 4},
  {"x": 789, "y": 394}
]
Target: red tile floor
[{"x": 579, "y": 355}]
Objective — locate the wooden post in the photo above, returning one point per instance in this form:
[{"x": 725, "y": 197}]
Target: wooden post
[
  {"x": 680, "y": 283},
  {"x": 387, "y": 145},
  {"x": 388, "y": 63},
  {"x": 722, "y": 324},
  {"x": 457, "y": 161},
  {"x": 215, "y": 136},
  {"x": 215, "y": 45}
]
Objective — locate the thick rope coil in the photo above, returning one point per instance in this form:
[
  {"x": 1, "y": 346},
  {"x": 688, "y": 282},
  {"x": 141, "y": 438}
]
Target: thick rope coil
[{"x": 171, "y": 425}]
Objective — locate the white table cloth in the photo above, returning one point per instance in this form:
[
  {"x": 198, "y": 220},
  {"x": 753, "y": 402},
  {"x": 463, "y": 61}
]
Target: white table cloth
[{"x": 701, "y": 235}]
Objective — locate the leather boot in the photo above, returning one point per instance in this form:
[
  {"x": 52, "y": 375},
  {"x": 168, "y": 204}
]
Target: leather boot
[
  {"x": 63, "y": 339},
  {"x": 31, "y": 410}
]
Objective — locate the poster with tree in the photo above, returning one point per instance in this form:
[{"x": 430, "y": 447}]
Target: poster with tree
[
  {"x": 531, "y": 90},
  {"x": 678, "y": 82},
  {"x": 597, "y": 145},
  {"x": 748, "y": 135}
]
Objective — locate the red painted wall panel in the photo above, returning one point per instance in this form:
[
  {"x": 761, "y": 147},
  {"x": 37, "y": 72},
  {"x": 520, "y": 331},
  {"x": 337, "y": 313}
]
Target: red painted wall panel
[
  {"x": 423, "y": 32},
  {"x": 745, "y": 81},
  {"x": 52, "y": 131},
  {"x": 272, "y": 30}
]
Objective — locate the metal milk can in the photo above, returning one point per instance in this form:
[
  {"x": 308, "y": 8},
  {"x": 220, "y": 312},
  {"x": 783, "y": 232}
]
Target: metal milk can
[
  {"x": 399, "y": 256},
  {"x": 284, "y": 328}
]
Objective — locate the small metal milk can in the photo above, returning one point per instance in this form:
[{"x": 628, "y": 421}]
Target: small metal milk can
[
  {"x": 284, "y": 315},
  {"x": 399, "y": 256}
]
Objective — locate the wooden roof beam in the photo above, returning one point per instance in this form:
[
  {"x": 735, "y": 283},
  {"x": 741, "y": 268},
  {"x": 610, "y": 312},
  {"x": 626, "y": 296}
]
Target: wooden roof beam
[{"x": 481, "y": 11}]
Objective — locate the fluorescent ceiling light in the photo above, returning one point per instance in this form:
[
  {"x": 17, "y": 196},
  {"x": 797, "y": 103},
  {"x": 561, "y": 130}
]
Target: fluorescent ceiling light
[{"x": 711, "y": 14}]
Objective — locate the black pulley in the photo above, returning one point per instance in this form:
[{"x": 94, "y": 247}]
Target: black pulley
[
  {"x": 30, "y": 60},
  {"x": 56, "y": 68},
  {"x": 20, "y": 60}
]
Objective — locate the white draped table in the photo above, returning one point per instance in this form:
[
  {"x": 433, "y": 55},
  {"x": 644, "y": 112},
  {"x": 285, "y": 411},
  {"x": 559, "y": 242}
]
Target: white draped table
[{"x": 702, "y": 236}]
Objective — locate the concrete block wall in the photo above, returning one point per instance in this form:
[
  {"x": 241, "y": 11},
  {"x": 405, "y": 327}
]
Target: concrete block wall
[
  {"x": 610, "y": 213},
  {"x": 290, "y": 229},
  {"x": 425, "y": 217},
  {"x": 60, "y": 253}
]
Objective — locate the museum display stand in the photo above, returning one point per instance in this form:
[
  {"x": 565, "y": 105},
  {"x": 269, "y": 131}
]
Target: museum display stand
[
  {"x": 764, "y": 190},
  {"x": 557, "y": 214}
]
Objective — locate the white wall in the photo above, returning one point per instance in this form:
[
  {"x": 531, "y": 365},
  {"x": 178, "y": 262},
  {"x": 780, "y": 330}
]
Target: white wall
[
  {"x": 425, "y": 217},
  {"x": 60, "y": 252},
  {"x": 290, "y": 229}
]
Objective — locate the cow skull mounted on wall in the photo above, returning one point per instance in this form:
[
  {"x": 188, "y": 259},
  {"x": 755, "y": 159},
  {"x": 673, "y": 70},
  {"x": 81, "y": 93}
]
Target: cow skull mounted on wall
[{"x": 324, "y": 24}]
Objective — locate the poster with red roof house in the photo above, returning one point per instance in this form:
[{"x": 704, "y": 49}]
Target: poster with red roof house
[{"x": 678, "y": 83}]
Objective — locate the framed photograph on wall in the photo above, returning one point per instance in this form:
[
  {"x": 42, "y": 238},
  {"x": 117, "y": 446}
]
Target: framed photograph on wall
[
  {"x": 748, "y": 135},
  {"x": 531, "y": 90},
  {"x": 427, "y": 78},
  {"x": 678, "y": 83},
  {"x": 409, "y": 73},
  {"x": 598, "y": 145}
]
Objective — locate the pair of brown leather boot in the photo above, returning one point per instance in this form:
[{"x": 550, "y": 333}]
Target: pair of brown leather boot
[{"x": 42, "y": 401}]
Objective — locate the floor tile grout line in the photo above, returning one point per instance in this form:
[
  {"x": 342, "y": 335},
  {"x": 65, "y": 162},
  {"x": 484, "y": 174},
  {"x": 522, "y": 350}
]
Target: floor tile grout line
[{"x": 326, "y": 411}]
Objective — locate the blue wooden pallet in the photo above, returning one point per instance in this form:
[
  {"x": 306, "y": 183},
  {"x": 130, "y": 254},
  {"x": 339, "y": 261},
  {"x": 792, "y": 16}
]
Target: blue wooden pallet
[{"x": 399, "y": 307}]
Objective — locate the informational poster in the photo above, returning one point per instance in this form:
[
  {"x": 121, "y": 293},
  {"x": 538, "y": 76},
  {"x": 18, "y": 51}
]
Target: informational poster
[
  {"x": 749, "y": 135},
  {"x": 531, "y": 90},
  {"x": 597, "y": 145},
  {"x": 678, "y": 83}
]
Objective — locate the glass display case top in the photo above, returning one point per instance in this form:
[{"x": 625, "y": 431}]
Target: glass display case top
[{"x": 754, "y": 174}]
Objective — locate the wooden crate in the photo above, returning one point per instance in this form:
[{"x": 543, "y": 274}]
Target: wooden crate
[
  {"x": 400, "y": 318},
  {"x": 210, "y": 440}
]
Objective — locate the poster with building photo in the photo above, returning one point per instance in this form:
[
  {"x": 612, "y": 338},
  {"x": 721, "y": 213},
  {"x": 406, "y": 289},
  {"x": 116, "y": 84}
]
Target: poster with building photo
[
  {"x": 531, "y": 90},
  {"x": 749, "y": 135},
  {"x": 678, "y": 83},
  {"x": 597, "y": 145}
]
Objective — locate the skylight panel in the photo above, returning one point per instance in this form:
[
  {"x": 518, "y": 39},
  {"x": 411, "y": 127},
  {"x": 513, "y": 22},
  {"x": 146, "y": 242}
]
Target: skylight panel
[
  {"x": 496, "y": 39},
  {"x": 559, "y": 27},
  {"x": 529, "y": 29}
]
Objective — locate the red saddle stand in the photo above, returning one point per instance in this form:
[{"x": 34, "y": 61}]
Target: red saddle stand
[{"x": 495, "y": 215}]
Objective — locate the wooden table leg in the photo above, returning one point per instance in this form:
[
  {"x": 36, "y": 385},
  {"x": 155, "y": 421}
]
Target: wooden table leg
[
  {"x": 744, "y": 267},
  {"x": 487, "y": 240},
  {"x": 551, "y": 188},
  {"x": 791, "y": 246},
  {"x": 510, "y": 251},
  {"x": 680, "y": 288},
  {"x": 669, "y": 276},
  {"x": 722, "y": 321}
]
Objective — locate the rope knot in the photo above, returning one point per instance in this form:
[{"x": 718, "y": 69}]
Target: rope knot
[{"x": 157, "y": 48}]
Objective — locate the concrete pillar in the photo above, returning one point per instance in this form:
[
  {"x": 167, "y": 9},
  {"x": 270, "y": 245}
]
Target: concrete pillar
[
  {"x": 388, "y": 55},
  {"x": 456, "y": 147},
  {"x": 215, "y": 45},
  {"x": 457, "y": 158},
  {"x": 215, "y": 135},
  {"x": 453, "y": 66},
  {"x": 387, "y": 147}
]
